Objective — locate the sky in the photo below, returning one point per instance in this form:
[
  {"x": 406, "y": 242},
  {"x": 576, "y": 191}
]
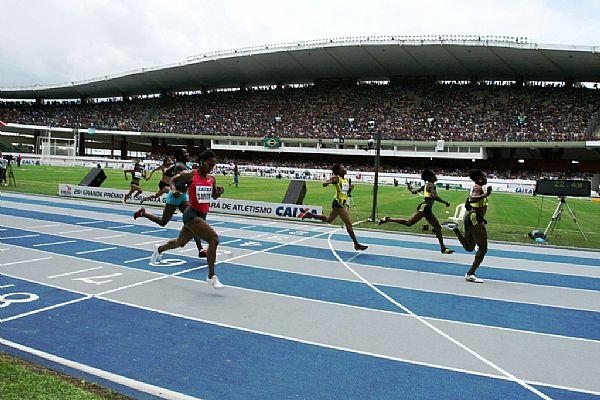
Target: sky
[{"x": 58, "y": 41}]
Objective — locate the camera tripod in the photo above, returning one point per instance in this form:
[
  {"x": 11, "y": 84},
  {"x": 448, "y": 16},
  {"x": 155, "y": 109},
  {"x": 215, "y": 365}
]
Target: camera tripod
[{"x": 560, "y": 207}]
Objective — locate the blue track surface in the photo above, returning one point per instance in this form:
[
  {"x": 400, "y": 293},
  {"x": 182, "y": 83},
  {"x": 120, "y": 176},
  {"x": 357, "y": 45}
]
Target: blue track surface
[{"x": 211, "y": 361}]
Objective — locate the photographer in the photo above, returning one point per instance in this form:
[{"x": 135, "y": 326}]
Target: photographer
[{"x": 3, "y": 167}]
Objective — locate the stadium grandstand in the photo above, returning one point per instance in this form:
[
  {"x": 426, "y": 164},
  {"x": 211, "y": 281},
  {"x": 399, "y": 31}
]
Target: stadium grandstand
[{"x": 503, "y": 102}]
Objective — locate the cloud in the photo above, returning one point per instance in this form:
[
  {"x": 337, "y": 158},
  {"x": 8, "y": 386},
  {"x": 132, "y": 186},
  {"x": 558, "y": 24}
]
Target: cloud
[{"x": 57, "y": 41}]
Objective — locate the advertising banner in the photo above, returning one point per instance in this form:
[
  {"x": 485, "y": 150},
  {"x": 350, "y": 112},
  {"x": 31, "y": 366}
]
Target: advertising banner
[{"x": 222, "y": 205}]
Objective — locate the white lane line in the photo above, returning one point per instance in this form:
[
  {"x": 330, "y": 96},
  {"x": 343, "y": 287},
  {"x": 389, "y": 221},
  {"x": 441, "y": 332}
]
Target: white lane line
[
  {"x": 74, "y": 272},
  {"x": 39, "y": 310},
  {"x": 154, "y": 230},
  {"x": 119, "y": 226},
  {"x": 76, "y": 231},
  {"x": 18, "y": 237},
  {"x": 41, "y": 226},
  {"x": 54, "y": 243},
  {"x": 136, "y": 259},
  {"x": 187, "y": 250},
  {"x": 282, "y": 230},
  {"x": 432, "y": 327},
  {"x": 204, "y": 266},
  {"x": 25, "y": 261},
  {"x": 150, "y": 242},
  {"x": 89, "y": 222},
  {"x": 230, "y": 241},
  {"x": 353, "y": 257},
  {"x": 119, "y": 379},
  {"x": 260, "y": 235},
  {"x": 3, "y": 249},
  {"x": 95, "y": 251},
  {"x": 112, "y": 236},
  {"x": 2, "y": 229},
  {"x": 217, "y": 223}
]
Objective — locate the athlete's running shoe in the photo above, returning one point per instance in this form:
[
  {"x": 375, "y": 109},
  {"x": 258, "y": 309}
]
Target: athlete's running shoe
[
  {"x": 156, "y": 256},
  {"x": 139, "y": 213},
  {"x": 360, "y": 247},
  {"x": 202, "y": 253},
  {"x": 473, "y": 278},
  {"x": 383, "y": 221},
  {"x": 447, "y": 251},
  {"x": 450, "y": 225},
  {"x": 214, "y": 282}
]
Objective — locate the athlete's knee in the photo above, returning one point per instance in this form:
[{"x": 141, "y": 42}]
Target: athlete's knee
[{"x": 213, "y": 239}]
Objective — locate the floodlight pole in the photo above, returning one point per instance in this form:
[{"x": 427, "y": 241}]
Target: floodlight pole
[{"x": 376, "y": 182}]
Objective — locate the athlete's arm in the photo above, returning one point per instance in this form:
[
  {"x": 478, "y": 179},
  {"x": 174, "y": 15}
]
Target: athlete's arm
[
  {"x": 181, "y": 181},
  {"x": 217, "y": 190},
  {"x": 434, "y": 195},
  {"x": 479, "y": 193},
  {"x": 126, "y": 171},
  {"x": 333, "y": 180}
]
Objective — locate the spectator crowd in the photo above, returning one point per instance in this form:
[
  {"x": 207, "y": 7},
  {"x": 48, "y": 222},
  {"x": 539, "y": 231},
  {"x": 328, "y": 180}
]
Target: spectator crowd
[{"x": 451, "y": 112}]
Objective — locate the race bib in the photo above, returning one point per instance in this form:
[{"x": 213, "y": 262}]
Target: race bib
[
  {"x": 345, "y": 188},
  {"x": 137, "y": 174},
  {"x": 204, "y": 194}
]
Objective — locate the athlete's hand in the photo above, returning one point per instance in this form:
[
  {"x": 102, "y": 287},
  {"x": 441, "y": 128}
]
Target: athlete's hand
[
  {"x": 489, "y": 190},
  {"x": 219, "y": 190},
  {"x": 447, "y": 204}
]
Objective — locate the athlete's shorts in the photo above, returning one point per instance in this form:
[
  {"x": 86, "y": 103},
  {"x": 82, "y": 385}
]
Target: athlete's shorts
[
  {"x": 473, "y": 219},
  {"x": 336, "y": 204},
  {"x": 426, "y": 209},
  {"x": 162, "y": 185},
  {"x": 172, "y": 200},
  {"x": 189, "y": 214}
]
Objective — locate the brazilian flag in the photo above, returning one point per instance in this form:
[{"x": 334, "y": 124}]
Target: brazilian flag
[{"x": 271, "y": 142}]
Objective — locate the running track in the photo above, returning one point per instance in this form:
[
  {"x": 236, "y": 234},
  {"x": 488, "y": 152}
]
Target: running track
[{"x": 303, "y": 316}]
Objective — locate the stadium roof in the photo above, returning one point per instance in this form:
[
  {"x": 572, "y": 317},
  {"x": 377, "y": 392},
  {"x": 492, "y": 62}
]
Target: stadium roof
[{"x": 370, "y": 58}]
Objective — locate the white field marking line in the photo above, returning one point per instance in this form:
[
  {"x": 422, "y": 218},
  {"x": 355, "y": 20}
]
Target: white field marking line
[
  {"x": 434, "y": 328},
  {"x": 112, "y": 236},
  {"x": 76, "y": 231},
  {"x": 95, "y": 251},
  {"x": 349, "y": 350},
  {"x": 119, "y": 226},
  {"x": 176, "y": 274},
  {"x": 88, "y": 222},
  {"x": 188, "y": 250},
  {"x": 39, "y": 310},
  {"x": 217, "y": 223},
  {"x": 260, "y": 235},
  {"x": 380, "y": 283},
  {"x": 230, "y": 241},
  {"x": 41, "y": 226},
  {"x": 74, "y": 272},
  {"x": 282, "y": 230},
  {"x": 2, "y": 229},
  {"x": 3, "y": 249},
  {"x": 118, "y": 379},
  {"x": 25, "y": 261},
  {"x": 54, "y": 243},
  {"x": 353, "y": 257},
  {"x": 153, "y": 231},
  {"x": 150, "y": 242},
  {"x": 18, "y": 237},
  {"x": 137, "y": 259}
]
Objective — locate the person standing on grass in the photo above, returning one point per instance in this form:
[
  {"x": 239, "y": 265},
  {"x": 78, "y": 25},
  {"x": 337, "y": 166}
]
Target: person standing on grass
[
  {"x": 475, "y": 231},
  {"x": 202, "y": 189},
  {"x": 425, "y": 208},
  {"x": 175, "y": 199},
  {"x": 339, "y": 205},
  {"x": 137, "y": 173},
  {"x": 236, "y": 175},
  {"x": 3, "y": 166}
]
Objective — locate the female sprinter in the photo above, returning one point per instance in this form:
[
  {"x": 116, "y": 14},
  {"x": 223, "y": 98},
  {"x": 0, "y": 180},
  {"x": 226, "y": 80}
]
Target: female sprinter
[
  {"x": 339, "y": 205},
  {"x": 475, "y": 231},
  {"x": 202, "y": 188},
  {"x": 425, "y": 209},
  {"x": 175, "y": 200},
  {"x": 137, "y": 173},
  {"x": 165, "y": 181}
]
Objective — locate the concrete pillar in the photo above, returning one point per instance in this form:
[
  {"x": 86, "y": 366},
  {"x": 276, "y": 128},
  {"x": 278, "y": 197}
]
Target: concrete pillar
[
  {"x": 81, "y": 150},
  {"x": 123, "y": 148}
]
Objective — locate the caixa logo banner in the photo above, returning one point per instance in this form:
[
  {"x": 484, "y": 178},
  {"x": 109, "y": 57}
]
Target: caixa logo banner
[{"x": 222, "y": 205}]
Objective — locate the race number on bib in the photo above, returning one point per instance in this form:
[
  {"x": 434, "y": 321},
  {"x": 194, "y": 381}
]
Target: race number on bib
[
  {"x": 137, "y": 174},
  {"x": 345, "y": 188},
  {"x": 204, "y": 194}
]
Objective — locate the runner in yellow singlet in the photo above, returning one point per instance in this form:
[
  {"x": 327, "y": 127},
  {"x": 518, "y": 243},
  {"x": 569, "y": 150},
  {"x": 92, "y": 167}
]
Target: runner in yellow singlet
[
  {"x": 475, "y": 231},
  {"x": 339, "y": 205},
  {"x": 425, "y": 209}
]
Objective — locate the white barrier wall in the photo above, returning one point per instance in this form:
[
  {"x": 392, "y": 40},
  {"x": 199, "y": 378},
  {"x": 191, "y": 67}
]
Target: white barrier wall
[{"x": 222, "y": 205}]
